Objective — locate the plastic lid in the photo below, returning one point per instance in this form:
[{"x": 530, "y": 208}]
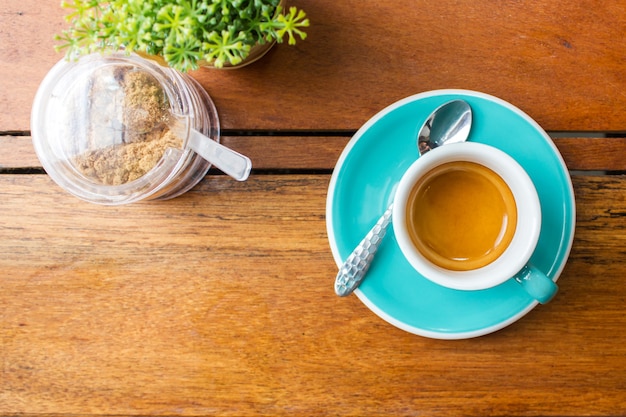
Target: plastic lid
[{"x": 99, "y": 127}]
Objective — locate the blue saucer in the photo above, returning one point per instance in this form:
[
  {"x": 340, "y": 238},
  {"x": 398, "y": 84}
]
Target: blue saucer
[{"x": 363, "y": 185}]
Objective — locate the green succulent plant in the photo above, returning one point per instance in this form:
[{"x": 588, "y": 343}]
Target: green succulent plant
[{"x": 182, "y": 32}]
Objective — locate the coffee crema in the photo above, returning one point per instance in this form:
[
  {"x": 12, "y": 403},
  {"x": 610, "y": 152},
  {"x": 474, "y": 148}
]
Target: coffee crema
[{"x": 461, "y": 216}]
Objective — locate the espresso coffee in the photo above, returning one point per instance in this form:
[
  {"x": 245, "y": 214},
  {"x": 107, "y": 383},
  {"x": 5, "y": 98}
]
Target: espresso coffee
[{"x": 461, "y": 216}]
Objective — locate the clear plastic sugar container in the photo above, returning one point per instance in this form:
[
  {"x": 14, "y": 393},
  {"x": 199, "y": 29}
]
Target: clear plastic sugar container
[{"x": 99, "y": 128}]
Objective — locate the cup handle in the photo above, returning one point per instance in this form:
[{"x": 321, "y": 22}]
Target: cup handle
[{"x": 536, "y": 284}]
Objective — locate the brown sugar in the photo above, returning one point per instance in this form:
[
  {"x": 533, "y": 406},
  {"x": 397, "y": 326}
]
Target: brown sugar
[
  {"x": 119, "y": 164},
  {"x": 145, "y": 104},
  {"x": 128, "y": 134}
]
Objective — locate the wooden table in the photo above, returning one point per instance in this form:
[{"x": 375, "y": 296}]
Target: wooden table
[{"x": 220, "y": 302}]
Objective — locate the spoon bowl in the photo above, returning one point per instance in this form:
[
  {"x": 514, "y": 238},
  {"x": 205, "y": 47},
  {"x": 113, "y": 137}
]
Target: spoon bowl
[{"x": 449, "y": 123}]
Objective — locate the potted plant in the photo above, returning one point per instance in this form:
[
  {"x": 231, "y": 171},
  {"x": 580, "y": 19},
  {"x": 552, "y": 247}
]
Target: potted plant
[{"x": 184, "y": 34}]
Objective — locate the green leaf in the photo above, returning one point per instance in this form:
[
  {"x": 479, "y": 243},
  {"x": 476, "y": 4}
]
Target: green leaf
[{"x": 181, "y": 31}]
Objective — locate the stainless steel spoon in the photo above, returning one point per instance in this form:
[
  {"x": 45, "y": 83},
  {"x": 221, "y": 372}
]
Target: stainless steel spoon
[{"x": 449, "y": 123}]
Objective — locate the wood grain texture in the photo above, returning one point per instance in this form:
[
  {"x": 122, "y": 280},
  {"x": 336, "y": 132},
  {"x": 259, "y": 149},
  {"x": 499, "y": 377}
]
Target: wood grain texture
[
  {"x": 27, "y": 29},
  {"x": 560, "y": 61},
  {"x": 211, "y": 305},
  {"x": 220, "y": 302},
  {"x": 322, "y": 152}
]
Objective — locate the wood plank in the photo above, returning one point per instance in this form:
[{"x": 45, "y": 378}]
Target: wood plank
[
  {"x": 322, "y": 152},
  {"x": 17, "y": 152},
  {"x": 27, "y": 29},
  {"x": 354, "y": 63},
  {"x": 582, "y": 153},
  {"x": 165, "y": 308},
  {"x": 290, "y": 152}
]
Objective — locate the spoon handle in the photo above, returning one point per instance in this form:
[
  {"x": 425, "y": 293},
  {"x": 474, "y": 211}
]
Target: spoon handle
[
  {"x": 356, "y": 265},
  {"x": 230, "y": 162}
]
